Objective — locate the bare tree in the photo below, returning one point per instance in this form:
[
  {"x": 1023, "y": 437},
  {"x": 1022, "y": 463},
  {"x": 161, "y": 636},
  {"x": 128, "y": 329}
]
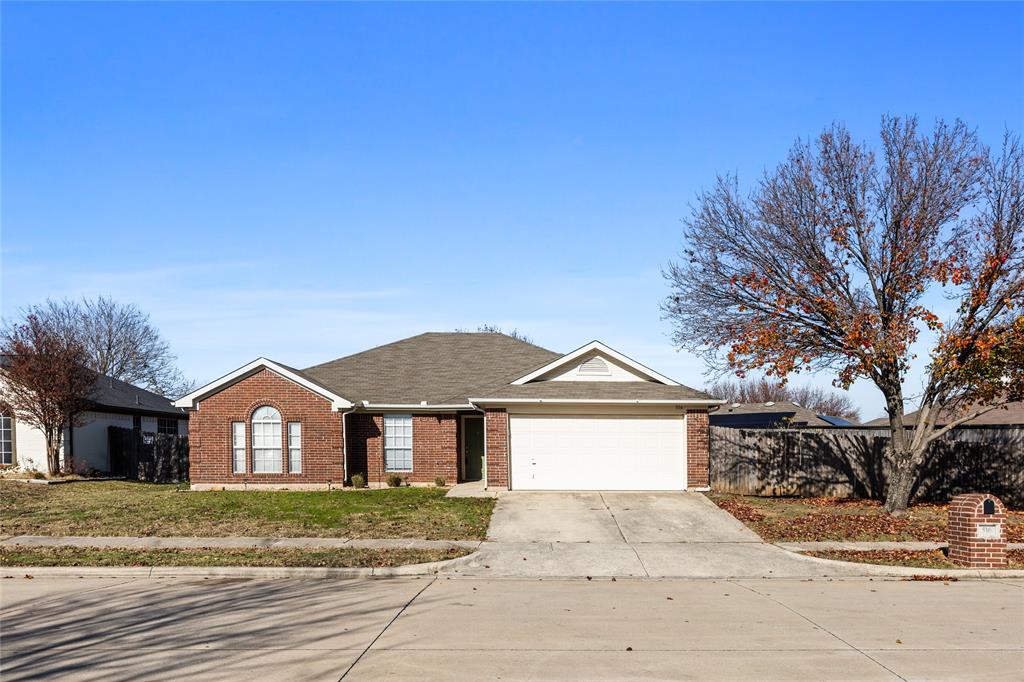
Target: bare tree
[
  {"x": 765, "y": 389},
  {"x": 495, "y": 329},
  {"x": 46, "y": 382},
  {"x": 827, "y": 264},
  {"x": 119, "y": 341}
]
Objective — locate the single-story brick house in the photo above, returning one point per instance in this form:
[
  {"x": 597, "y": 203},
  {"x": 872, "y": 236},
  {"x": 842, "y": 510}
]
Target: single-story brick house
[{"x": 461, "y": 406}]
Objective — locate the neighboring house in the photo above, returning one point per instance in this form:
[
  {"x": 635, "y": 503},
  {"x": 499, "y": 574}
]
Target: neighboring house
[
  {"x": 460, "y": 406},
  {"x": 1010, "y": 415},
  {"x": 114, "y": 403},
  {"x": 771, "y": 415}
]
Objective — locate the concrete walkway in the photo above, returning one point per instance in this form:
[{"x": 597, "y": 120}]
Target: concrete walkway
[{"x": 231, "y": 543}]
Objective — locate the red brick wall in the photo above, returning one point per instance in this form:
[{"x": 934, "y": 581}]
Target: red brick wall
[
  {"x": 965, "y": 548},
  {"x": 697, "y": 444},
  {"x": 209, "y": 431},
  {"x": 496, "y": 428},
  {"x": 435, "y": 448}
]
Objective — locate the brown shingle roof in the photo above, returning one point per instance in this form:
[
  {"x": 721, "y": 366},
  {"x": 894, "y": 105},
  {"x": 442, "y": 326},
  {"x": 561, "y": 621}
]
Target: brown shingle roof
[
  {"x": 1012, "y": 414},
  {"x": 775, "y": 412},
  {"x": 594, "y": 390},
  {"x": 440, "y": 368}
]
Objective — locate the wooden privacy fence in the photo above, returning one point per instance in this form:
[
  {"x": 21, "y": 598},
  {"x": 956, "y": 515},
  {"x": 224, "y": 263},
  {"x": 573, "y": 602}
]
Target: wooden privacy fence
[
  {"x": 853, "y": 462},
  {"x": 143, "y": 456}
]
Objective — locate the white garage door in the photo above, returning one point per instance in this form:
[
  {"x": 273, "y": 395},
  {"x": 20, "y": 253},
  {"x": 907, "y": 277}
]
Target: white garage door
[{"x": 597, "y": 453}]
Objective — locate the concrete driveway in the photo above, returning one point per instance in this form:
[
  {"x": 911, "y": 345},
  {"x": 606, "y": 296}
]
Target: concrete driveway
[{"x": 660, "y": 535}]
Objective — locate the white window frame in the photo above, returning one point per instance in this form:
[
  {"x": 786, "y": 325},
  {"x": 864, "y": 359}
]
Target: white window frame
[
  {"x": 7, "y": 446},
  {"x": 294, "y": 447},
  {"x": 266, "y": 440},
  {"x": 398, "y": 440},
  {"x": 238, "y": 449}
]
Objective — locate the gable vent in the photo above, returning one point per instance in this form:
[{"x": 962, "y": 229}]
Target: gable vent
[{"x": 594, "y": 366}]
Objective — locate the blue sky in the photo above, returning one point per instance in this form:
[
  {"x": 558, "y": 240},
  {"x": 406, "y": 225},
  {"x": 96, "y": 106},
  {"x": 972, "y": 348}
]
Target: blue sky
[{"x": 304, "y": 181}]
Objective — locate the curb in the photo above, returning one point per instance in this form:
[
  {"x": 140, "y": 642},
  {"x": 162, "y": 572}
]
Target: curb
[
  {"x": 249, "y": 572},
  {"x": 883, "y": 570}
]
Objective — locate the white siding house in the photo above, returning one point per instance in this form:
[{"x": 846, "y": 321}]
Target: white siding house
[{"x": 115, "y": 403}]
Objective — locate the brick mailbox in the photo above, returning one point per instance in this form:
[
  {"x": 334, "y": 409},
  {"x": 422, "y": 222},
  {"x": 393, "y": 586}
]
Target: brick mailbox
[{"x": 977, "y": 531}]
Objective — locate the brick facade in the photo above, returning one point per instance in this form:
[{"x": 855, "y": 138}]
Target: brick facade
[
  {"x": 435, "y": 448},
  {"x": 697, "y": 445},
  {"x": 209, "y": 427},
  {"x": 496, "y": 430},
  {"x": 966, "y": 512}
]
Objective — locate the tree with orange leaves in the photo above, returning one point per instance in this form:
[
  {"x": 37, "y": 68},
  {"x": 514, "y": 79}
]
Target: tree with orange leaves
[{"x": 829, "y": 263}]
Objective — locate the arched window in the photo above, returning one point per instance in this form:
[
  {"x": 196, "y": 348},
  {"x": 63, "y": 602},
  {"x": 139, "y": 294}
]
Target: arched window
[{"x": 266, "y": 441}]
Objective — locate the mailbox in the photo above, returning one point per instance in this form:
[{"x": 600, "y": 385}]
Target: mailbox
[{"x": 977, "y": 531}]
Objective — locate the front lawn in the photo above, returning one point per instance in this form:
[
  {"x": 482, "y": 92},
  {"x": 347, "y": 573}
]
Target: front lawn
[
  {"x": 147, "y": 509},
  {"x": 816, "y": 519},
  {"x": 901, "y": 557},
  {"x": 317, "y": 558}
]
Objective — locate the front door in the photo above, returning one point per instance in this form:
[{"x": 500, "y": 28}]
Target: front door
[{"x": 473, "y": 448}]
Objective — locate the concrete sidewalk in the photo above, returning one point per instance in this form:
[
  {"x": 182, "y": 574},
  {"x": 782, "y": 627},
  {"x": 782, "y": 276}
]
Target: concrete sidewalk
[
  {"x": 427, "y": 629},
  {"x": 231, "y": 542}
]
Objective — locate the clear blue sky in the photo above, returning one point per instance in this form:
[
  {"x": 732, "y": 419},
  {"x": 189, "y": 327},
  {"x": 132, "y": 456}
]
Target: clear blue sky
[{"x": 304, "y": 181}]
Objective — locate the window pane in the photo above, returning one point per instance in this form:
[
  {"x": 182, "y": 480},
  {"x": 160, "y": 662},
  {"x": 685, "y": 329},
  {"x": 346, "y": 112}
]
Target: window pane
[
  {"x": 295, "y": 447},
  {"x": 6, "y": 439},
  {"x": 398, "y": 442},
  {"x": 238, "y": 447}
]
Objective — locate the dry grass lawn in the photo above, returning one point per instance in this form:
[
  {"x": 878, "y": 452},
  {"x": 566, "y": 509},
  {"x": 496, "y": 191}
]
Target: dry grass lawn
[
  {"x": 816, "y": 519},
  {"x": 916, "y": 559},
  {"x": 122, "y": 508},
  {"x": 318, "y": 558}
]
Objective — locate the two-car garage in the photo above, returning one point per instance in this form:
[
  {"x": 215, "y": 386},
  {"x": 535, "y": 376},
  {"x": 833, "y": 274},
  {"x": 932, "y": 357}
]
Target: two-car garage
[{"x": 597, "y": 451}]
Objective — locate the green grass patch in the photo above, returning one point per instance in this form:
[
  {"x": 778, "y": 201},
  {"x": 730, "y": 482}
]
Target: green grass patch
[
  {"x": 817, "y": 519},
  {"x": 124, "y": 508},
  {"x": 318, "y": 558}
]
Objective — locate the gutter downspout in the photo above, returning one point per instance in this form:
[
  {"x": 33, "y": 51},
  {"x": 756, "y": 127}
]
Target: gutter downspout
[{"x": 344, "y": 444}]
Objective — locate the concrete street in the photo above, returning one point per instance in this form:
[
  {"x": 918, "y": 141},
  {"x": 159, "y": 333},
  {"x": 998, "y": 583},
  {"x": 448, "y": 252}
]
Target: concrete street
[{"x": 459, "y": 628}]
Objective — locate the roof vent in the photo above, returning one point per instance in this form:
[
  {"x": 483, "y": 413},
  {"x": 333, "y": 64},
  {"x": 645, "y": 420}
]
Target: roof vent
[
  {"x": 594, "y": 366},
  {"x": 769, "y": 404},
  {"x": 735, "y": 404}
]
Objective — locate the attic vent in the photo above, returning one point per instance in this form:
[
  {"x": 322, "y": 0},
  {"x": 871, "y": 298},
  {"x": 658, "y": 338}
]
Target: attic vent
[{"x": 594, "y": 366}]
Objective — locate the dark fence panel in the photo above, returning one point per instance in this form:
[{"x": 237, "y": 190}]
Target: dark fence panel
[
  {"x": 847, "y": 462},
  {"x": 143, "y": 456}
]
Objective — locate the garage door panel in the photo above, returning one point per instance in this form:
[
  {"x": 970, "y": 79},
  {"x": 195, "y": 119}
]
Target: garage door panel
[{"x": 597, "y": 452}]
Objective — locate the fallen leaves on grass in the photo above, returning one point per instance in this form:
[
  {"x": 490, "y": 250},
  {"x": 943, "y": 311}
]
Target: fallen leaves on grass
[{"x": 903, "y": 557}]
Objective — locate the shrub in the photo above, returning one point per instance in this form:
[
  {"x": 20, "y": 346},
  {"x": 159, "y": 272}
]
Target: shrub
[
  {"x": 439, "y": 481},
  {"x": 35, "y": 473},
  {"x": 358, "y": 481},
  {"x": 394, "y": 481}
]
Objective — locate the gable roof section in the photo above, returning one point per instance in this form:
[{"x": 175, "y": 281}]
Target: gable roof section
[
  {"x": 603, "y": 350},
  {"x": 438, "y": 368},
  {"x": 121, "y": 396},
  {"x": 338, "y": 402},
  {"x": 1010, "y": 415},
  {"x": 620, "y": 392}
]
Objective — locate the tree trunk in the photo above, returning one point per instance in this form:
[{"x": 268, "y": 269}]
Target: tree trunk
[
  {"x": 901, "y": 483},
  {"x": 53, "y": 456}
]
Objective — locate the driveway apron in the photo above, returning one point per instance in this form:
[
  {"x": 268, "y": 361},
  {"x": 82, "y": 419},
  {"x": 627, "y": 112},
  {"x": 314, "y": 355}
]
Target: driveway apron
[{"x": 620, "y": 534}]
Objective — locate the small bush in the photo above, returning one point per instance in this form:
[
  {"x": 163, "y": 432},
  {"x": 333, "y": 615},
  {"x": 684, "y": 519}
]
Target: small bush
[
  {"x": 440, "y": 482},
  {"x": 358, "y": 481},
  {"x": 394, "y": 481},
  {"x": 35, "y": 473}
]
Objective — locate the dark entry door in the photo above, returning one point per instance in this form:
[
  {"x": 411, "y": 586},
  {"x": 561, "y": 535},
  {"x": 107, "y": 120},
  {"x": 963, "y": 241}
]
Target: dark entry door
[{"x": 473, "y": 444}]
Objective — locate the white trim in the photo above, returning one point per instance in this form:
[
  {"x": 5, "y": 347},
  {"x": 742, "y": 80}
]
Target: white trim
[
  {"x": 413, "y": 407},
  {"x": 600, "y": 347},
  {"x": 594, "y": 401},
  {"x": 191, "y": 400}
]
